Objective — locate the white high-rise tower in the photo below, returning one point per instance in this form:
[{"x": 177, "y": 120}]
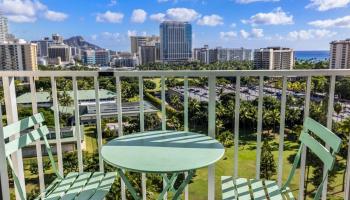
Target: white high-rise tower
[{"x": 3, "y": 28}]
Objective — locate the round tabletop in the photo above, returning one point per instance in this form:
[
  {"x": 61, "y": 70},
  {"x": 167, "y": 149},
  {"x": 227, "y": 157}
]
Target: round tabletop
[{"x": 162, "y": 151}]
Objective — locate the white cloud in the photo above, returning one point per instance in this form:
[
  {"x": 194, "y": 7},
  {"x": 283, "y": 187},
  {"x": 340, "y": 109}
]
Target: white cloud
[
  {"x": 55, "y": 16},
  {"x": 254, "y": 33},
  {"x": 310, "y": 34},
  {"x": 257, "y": 33},
  {"x": 159, "y": 17},
  {"x": 233, "y": 25},
  {"x": 211, "y": 20},
  {"x": 28, "y": 11},
  {"x": 342, "y": 22},
  {"x": 21, "y": 18},
  {"x": 132, "y": 33},
  {"x": 228, "y": 35},
  {"x": 253, "y": 1},
  {"x": 139, "y": 16},
  {"x": 324, "y": 5},
  {"x": 108, "y": 16},
  {"x": 177, "y": 14},
  {"x": 244, "y": 34},
  {"x": 276, "y": 17},
  {"x": 182, "y": 14}
]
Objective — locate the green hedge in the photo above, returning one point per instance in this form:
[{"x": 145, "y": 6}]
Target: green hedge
[{"x": 158, "y": 103}]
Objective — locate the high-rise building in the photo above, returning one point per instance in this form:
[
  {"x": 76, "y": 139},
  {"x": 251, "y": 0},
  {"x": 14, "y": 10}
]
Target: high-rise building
[
  {"x": 232, "y": 54},
  {"x": 59, "y": 53},
  {"x": 340, "y": 54},
  {"x": 75, "y": 52},
  {"x": 89, "y": 57},
  {"x": 3, "y": 29},
  {"x": 147, "y": 54},
  {"x": 18, "y": 55},
  {"x": 137, "y": 41},
  {"x": 43, "y": 46},
  {"x": 57, "y": 39},
  {"x": 175, "y": 41},
  {"x": 201, "y": 54},
  {"x": 274, "y": 58},
  {"x": 124, "y": 60},
  {"x": 102, "y": 57}
]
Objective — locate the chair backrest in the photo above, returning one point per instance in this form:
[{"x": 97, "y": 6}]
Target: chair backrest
[
  {"x": 311, "y": 141},
  {"x": 40, "y": 131}
]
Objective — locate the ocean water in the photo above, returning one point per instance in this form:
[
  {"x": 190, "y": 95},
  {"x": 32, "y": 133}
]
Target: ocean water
[{"x": 312, "y": 55}]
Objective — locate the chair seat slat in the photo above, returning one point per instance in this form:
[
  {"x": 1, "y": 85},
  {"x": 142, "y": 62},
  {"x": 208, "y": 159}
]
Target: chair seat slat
[
  {"x": 273, "y": 190},
  {"x": 64, "y": 185},
  {"x": 258, "y": 190},
  {"x": 228, "y": 188},
  {"x": 242, "y": 187},
  {"x": 91, "y": 186},
  {"x": 77, "y": 186},
  {"x": 104, "y": 186}
]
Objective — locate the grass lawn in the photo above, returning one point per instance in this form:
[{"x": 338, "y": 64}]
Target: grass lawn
[
  {"x": 198, "y": 189},
  {"x": 246, "y": 164},
  {"x": 90, "y": 139}
]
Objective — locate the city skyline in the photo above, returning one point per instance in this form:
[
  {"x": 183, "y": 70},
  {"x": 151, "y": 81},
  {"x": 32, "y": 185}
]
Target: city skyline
[{"x": 306, "y": 25}]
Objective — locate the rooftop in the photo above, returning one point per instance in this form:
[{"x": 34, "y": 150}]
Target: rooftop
[{"x": 84, "y": 95}]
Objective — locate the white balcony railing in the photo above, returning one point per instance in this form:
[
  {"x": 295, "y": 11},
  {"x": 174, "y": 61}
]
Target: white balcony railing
[{"x": 8, "y": 81}]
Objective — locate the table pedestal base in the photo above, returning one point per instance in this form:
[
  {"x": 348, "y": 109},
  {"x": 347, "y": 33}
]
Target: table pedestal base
[{"x": 169, "y": 187}]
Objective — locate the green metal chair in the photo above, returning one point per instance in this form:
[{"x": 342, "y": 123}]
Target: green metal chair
[
  {"x": 242, "y": 188},
  {"x": 75, "y": 185}
]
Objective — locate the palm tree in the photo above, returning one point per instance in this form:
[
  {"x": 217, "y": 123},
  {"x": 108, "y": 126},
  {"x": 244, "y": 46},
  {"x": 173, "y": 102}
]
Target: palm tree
[
  {"x": 271, "y": 118},
  {"x": 176, "y": 102}
]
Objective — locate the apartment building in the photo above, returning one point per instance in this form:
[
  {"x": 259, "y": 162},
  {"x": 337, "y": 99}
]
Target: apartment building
[
  {"x": 340, "y": 54},
  {"x": 18, "y": 55},
  {"x": 274, "y": 58}
]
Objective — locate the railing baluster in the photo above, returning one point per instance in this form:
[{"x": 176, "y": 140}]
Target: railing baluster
[
  {"x": 98, "y": 122},
  {"x": 211, "y": 130},
  {"x": 163, "y": 120},
  {"x": 303, "y": 155},
  {"x": 5, "y": 187},
  {"x": 347, "y": 175},
  {"x": 77, "y": 124},
  {"x": 39, "y": 154},
  {"x": 57, "y": 125},
  {"x": 142, "y": 108},
  {"x": 259, "y": 128},
  {"x": 163, "y": 103},
  {"x": 186, "y": 103},
  {"x": 329, "y": 126},
  {"x": 120, "y": 124},
  {"x": 142, "y": 129},
  {"x": 12, "y": 116},
  {"x": 236, "y": 139},
  {"x": 186, "y": 121},
  {"x": 281, "y": 135}
]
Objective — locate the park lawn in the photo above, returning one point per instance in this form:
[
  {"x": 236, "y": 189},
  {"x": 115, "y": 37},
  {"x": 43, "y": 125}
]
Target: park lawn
[
  {"x": 247, "y": 169},
  {"x": 157, "y": 82},
  {"x": 90, "y": 139},
  {"x": 199, "y": 186}
]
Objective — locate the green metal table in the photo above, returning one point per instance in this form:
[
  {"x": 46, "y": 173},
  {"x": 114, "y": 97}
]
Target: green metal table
[{"x": 162, "y": 152}]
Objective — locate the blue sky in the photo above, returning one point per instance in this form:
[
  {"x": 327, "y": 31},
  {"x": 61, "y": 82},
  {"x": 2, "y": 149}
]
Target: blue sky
[{"x": 299, "y": 24}]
